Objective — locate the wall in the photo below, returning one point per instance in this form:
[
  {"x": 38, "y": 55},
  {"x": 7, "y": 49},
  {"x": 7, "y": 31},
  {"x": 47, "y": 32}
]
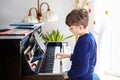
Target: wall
[
  {"x": 14, "y": 10},
  {"x": 104, "y": 24}
]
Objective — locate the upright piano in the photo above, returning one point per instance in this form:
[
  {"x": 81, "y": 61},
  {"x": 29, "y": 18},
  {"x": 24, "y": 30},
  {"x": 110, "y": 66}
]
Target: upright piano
[{"x": 26, "y": 57}]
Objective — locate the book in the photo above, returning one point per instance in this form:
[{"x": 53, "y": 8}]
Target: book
[
  {"x": 26, "y": 27},
  {"x": 2, "y": 30},
  {"x": 26, "y": 24},
  {"x": 16, "y": 32}
]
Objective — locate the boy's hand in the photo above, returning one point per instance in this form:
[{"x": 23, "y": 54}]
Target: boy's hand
[
  {"x": 65, "y": 75},
  {"x": 62, "y": 55}
]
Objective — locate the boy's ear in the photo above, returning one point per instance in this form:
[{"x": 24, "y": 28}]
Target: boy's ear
[{"x": 81, "y": 27}]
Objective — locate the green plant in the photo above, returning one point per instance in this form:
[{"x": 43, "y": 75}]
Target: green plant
[{"x": 54, "y": 36}]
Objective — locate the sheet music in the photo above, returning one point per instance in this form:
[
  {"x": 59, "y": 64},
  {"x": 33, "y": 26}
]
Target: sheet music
[{"x": 39, "y": 41}]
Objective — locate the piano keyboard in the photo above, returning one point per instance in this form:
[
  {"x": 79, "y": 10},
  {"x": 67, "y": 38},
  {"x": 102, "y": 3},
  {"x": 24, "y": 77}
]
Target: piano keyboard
[
  {"x": 52, "y": 65},
  {"x": 49, "y": 61}
]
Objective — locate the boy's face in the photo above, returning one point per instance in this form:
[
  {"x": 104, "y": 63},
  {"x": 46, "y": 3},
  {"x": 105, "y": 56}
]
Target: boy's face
[{"x": 76, "y": 30}]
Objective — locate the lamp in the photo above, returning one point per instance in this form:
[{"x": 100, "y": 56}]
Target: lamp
[{"x": 46, "y": 16}]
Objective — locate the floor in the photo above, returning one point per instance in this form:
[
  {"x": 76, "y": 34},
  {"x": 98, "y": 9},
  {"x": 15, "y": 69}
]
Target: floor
[{"x": 109, "y": 77}]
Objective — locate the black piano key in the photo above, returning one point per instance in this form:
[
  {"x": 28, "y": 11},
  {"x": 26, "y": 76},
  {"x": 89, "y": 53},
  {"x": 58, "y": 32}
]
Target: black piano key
[{"x": 49, "y": 62}]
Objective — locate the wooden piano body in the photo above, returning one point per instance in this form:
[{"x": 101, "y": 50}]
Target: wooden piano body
[{"x": 14, "y": 64}]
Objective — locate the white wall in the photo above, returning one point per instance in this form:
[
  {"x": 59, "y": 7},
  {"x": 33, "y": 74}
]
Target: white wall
[
  {"x": 12, "y": 11},
  {"x": 114, "y": 22},
  {"x": 106, "y": 31}
]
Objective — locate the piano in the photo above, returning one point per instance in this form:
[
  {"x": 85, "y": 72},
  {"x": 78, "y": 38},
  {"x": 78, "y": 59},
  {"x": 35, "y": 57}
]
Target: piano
[{"x": 27, "y": 57}]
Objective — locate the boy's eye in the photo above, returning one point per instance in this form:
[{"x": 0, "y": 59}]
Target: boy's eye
[{"x": 71, "y": 28}]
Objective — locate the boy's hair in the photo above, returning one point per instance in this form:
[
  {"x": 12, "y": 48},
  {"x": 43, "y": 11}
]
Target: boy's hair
[{"x": 77, "y": 17}]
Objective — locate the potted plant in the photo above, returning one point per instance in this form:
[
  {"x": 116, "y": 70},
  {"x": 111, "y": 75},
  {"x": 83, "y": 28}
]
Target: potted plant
[{"x": 54, "y": 36}]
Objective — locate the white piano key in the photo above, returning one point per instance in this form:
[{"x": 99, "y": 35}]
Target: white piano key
[{"x": 56, "y": 67}]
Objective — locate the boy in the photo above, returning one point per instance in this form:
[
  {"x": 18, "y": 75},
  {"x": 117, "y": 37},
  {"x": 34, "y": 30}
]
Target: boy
[{"x": 84, "y": 54}]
